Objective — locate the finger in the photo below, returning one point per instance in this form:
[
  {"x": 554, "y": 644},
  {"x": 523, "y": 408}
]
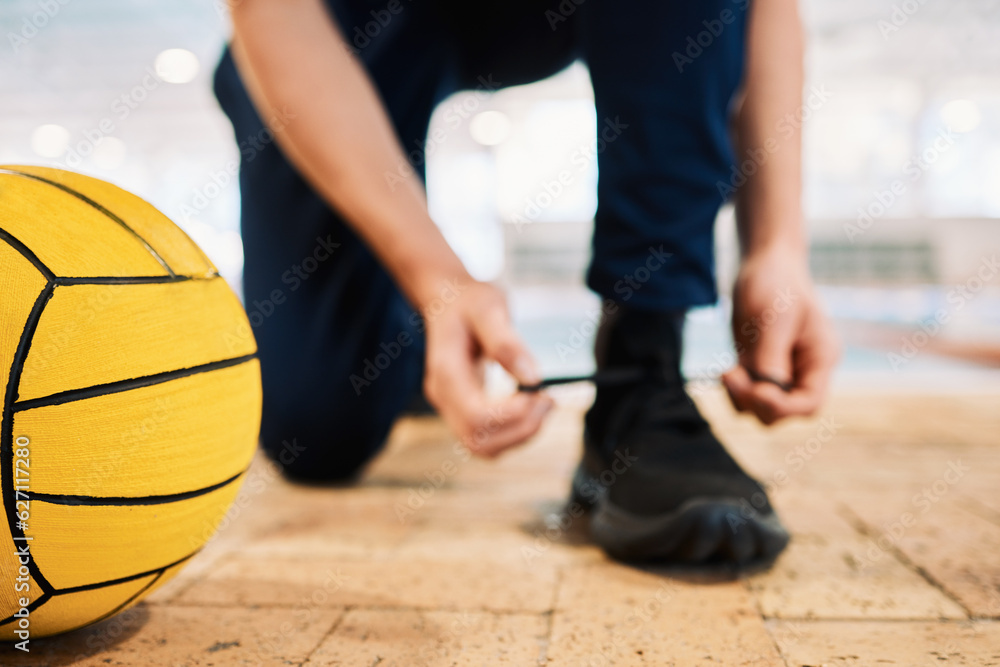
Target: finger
[
  {"x": 764, "y": 399},
  {"x": 771, "y": 404},
  {"x": 771, "y": 354},
  {"x": 768, "y": 401},
  {"x": 817, "y": 356},
  {"x": 489, "y": 429},
  {"x": 738, "y": 385},
  {"x": 815, "y": 360},
  {"x": 452, "y": 381},
  {"x": 485, "y": 428},
  {"x": 814, "y": 366},
  {"x": 501, "y": 342},
  {"x": 516, "y": 429},
  {"x": 454, "y": 386}
]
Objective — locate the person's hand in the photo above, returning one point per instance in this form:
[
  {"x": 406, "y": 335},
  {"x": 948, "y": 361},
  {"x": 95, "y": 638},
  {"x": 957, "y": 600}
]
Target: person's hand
[
  {"x": 473, "y": 328},
  {"x": 781, "y": 332}
]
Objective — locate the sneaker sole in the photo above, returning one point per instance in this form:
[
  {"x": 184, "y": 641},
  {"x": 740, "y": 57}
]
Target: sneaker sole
[
  {"x": 700, "y": 530},
  {"x": 577, "y": 495}
]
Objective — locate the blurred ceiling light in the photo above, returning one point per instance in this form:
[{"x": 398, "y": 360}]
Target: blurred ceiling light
[
  {"x": 50, "y": 140},
  {"x": 490, "y": 128},
  {"x": 109, "y": 153},
  {"x": 961, "y": 115},
  {"x": 176, "y": 65}
]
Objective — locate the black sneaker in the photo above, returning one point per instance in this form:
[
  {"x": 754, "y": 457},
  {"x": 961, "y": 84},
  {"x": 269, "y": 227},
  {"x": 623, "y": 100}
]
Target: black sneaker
[{"x": 660, "y": 484}]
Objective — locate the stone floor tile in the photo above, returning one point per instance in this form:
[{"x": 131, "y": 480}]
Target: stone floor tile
[
  {"x": 175, "y": 636},
  {"x": 956, "y": 548},
  {"x": 411, "y": 638},
  {"x": 877, "y": 644},
  {"x": 419, "y": 584},
  {"x": 833, "y": 578},
  {"x": 615, "y": 615}
]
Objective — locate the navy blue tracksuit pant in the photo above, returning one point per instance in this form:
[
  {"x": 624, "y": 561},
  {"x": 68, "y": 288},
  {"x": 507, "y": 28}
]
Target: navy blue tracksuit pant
[{"x": 322, "y": 307}]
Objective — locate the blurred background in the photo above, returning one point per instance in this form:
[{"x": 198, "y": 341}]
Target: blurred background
[{"x": 902, "y": 170}]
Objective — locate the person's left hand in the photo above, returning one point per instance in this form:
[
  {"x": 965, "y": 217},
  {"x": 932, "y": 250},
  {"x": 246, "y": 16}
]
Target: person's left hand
[{"x": 781, "y": 332}]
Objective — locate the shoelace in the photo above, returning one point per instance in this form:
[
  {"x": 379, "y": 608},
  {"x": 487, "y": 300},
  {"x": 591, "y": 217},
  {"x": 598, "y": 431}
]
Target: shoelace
[{"x": 628, "y": 375}]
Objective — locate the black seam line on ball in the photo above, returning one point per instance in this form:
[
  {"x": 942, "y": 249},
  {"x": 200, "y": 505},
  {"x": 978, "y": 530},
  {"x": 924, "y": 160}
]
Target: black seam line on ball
[
  {"x": 126, "y": 385},
  {"x": 87, "y": 200},
  {"x": 130, "y": 280},
  {"x": 25, "y": 251},
  {"x": 42, "y": 599},
  {"x": 7, "y": 434},
  {"x": 62, "y": 499},
  {"x": 122, "y": 580},
  {"x": 132, "y": 598}
]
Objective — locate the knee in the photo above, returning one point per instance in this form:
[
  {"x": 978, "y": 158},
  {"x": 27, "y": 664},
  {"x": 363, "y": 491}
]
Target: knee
[{"x": 308, "y": 452}]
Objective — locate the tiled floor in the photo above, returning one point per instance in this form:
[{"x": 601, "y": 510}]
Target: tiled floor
[{"x": 438, "y": 560}]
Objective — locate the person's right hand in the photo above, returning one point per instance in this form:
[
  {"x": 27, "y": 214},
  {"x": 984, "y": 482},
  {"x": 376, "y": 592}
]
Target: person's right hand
[{"x": 473, "y": 328}]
